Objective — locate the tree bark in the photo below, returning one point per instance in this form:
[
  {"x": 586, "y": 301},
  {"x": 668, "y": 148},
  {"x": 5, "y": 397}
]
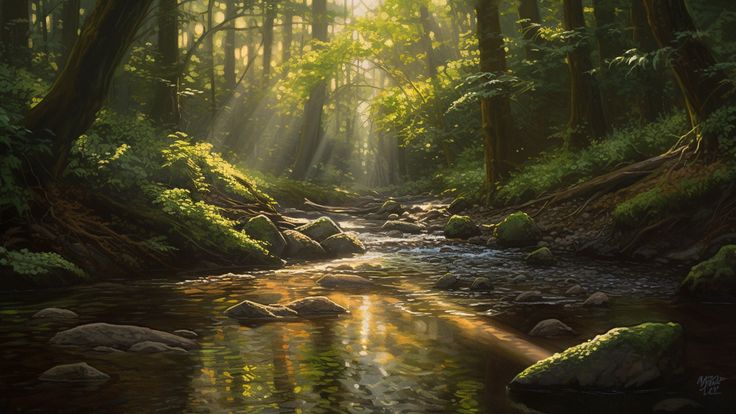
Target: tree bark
[
  {"x": 211, "y": 59},
  {"x": 706, "y": 88},
  {"x": 15, "y": 32},
  {"x": 268, "y": 17},
  {"x": 651, "y": 102},
  {"x": 587, "y": 119},
  {"x": 287, "y": 32},
  {"x": 79, "y": 91},
  {"x": 310, "y": 136},
  {"x": 69, "y": 28},
  {"x": 166, "y": 100},
  {"x": 229, "y": 47},
  {"x": 529, "y": 21},
  {"x": 495, "y": 111},
  {"x": 609, "y": 44},
  {"x": 426, "y": 40}
]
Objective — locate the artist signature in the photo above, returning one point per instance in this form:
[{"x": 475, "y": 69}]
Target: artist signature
[{"x": 710, "y": 384}]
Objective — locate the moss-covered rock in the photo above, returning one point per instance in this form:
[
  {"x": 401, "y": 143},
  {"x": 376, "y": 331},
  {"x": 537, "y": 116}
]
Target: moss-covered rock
[
  {"x": 461, "y": 227},
  {"x": 320, "y": 229},
  {"x": 26, "y": 269},
  {"x": 517, "y": 230},
  {"x": 391, "y": 207},
  {"x": 343, "y": 244},
  {"x": 541, "y": 257},
  {"x": 302, "y": 247},
  {"x": 713, "y": 279},
  {"x": 401, "y": 226},
  {"x": 621, "y": 359},
  {"x": 458, "y": 205},
  {"x": 262, "y": 228}
]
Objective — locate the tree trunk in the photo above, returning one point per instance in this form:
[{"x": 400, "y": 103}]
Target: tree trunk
[
  {"x": 166, "y": 101},
  {"x": 229, "y": 47},
  {"x": 651, "y": 102},
  {"x": 495, "y": 111},
  {"x": 69, "y": 28},
  {"x": 705, "y": 87},
  {"x": 311, "y": 133},
  {"x": 587, "y": 119},
  {"x": 427, "y": 41},
  {"x": 79, "y": 91},
  {"x": 15, "y": 32},
  {"x": 211, "y": 59},
  {"x": 268, "y": 18},
  {"x": 529, "y": 19},
  {"x": 287, "y": 33},
  {"x": 609, "y": 43}
]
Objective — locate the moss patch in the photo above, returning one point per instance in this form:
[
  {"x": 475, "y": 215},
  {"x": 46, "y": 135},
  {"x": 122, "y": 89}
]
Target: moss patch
[
  {"x": 461, "y": 227},
  {"x": 714, "y": 278},
  {"x": 517, "y": 229},
  {"x": 262, "y": 228}
]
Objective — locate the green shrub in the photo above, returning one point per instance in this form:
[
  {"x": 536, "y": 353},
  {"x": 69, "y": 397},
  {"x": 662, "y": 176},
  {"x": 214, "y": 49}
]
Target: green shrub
[{"x": 37, "y": 264}]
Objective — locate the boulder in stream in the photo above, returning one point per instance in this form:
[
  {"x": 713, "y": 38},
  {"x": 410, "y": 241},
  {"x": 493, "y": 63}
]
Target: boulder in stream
[
  {"x": 55, "y": 314},
  {"x": 461, "y": 227},
  {"x": 301, "y": 246},
  {"x": 458, "y": 205},
  {"x": 517, "y": 230},
  {"x": 152, "y": 347},
  {"x": 343, "y": 244},
  {"x": 401, "y": 226},
  {"x": 315, "y": 306},
  {"x": 549, "y": 328},
  {"x": 77, "y": 372},
  {"x": 344, "y": 281},
  {"x": 262, "y": 228},
  {"x": 447, "y": 281},
  {"x": 713, "y": 279},
  {"x": 481, "y": 284},
  {"x": 253, "y": 311},
  {"x": 541, "y": 257},
  {"x": 391, "y": 207},
  {"x": 320, "y": 229},
  {"x": 596, "y": 299},
  {"x": 575, "y": 290},
  {"x": 625, "y": 358},
  {"x": 117, "y": 336},
  {"x": 530, "y": 296}
]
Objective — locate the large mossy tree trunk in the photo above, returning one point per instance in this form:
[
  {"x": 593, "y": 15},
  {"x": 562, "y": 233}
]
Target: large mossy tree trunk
[
  {"x": 530, "y": 20},
  {"x": 310, "y": 135},
  {"x": 15, "y": 32},
  {"x": 587, "y": 118},
  {"x": 69, "y": 28},
  {"x": 651, "y": 80},
  {"x": 166, "y": 96},
  {"x": 706, "y": 87},
  {"x": 496, "y": 110},
  {"x": 79, "y": 91}
]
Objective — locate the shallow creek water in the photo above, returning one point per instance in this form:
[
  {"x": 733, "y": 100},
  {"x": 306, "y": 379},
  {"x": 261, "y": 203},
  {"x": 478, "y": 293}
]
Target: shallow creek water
[{"x": 404, "y": 348}]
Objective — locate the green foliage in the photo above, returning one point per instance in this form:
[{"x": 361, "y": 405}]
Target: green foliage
[
  {"x": 292, "y": 192},
  {"x": 670, "y": 198},
  {"x": 36, "y": 264},
  {"x": 561, "y": 168}
]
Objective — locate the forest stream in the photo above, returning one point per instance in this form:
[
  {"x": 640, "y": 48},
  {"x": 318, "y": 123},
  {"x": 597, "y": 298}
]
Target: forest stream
[{"x": 405, "y": 347}]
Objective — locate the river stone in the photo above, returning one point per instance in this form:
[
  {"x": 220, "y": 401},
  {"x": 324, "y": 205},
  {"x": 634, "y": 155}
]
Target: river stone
[
  {"x": 393, "y": 216},
  {"x": 320, "y": 229},
  {"x": 551, "y": 328},
  {"x": 117, "y": 336},
  {"x": 343, "y": 244},
  {"x": 541, "y": 257},
  {"x": 262, "y": 228},
  {"x": 401, "y": 226},
  {"x": 517, "y": 230},
  {"x": 55, "y": 313},
  {"x": 391, "y": 207},
  {"x": 481, "y": 284},
  {"x": 461, "y": 227},
  {"x": 300, "y": 246},
  {"x": 78, "y": 372},
  {"x": 397, "y": 234},
  {"x": 575, "y": 290},
  {"x": 431, "y": 215},
  {"x": 150, "y": 347},
  {"x": 458, "y": 205},
  {"x": 677, "y": 405},
  {"x": 315, "y": 306},
  {"x": 621, "y": 359},
  {"x": 337, "y": 281},
  {"x": 446, "y": 282},
  {"x": 596, "y": 299},
  {"x": 107, "y": 350},
  {"x": 186, "y": 333},
  {"x": 249, "y": 310},
  {"x": 531, "y": 296},
  {"x": 713, "y": 279}
]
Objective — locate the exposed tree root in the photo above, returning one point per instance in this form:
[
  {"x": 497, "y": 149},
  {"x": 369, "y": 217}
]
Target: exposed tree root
[{"x": 340, "y": 210}]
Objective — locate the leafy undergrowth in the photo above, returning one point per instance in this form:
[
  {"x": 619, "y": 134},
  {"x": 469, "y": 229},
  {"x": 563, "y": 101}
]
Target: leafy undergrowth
[
  {"x": 562, "y": 168},
  {"x": 38, "y": 268},
  {"x": 290, "y": 192}
]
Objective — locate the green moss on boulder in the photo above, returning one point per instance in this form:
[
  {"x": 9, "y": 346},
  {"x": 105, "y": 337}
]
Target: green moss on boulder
[
  {"x": 461, "y": 227},
  {"x": 517, "y": 230},
  {"x": 621, "y": 359},
  {"x": 262, "y": 228},
  {"x": 343, "y": 244},
  {"x": 391, "y": 207},
  {"x": 713, "y": 279},
  {"x": 320, "y": 229},
  {"x": 458, "y": 205}
]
